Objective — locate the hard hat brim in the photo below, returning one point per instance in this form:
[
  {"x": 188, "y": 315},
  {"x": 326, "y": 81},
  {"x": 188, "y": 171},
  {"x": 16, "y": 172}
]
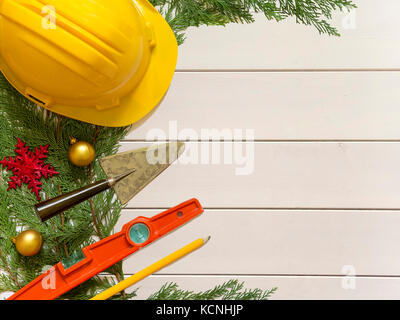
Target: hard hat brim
[{"x": 149, "y": 92}]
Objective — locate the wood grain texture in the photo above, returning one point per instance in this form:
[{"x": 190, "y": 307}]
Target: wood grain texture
[
  {"x": 316, "y": 203},
  {"x": 280, "y": 105},
  {"x": 286, "y": 175},
  {"x": 280, "y": 242},
  {"x": 289, "y": 288},
  {"x": 371, "y": 41}
]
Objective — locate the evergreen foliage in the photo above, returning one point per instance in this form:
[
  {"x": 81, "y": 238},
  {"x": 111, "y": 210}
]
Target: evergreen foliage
[
  {"x": 182, "y": 14},
  {"x": 96, "y": 219},
  {"x": 230, "y": 290},
  {"x": 81, "y": 225}
]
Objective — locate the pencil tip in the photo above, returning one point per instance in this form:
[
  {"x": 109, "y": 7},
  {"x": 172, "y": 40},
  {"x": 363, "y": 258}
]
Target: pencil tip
[{"x": 206, "y": 239}]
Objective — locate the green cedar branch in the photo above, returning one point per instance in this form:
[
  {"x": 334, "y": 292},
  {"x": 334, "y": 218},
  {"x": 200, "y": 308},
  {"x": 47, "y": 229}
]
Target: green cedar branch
[
  {"x": 183, "y": 14},
  {"x": 21, "y": 118},
  {"x": 230, "y": 290}
]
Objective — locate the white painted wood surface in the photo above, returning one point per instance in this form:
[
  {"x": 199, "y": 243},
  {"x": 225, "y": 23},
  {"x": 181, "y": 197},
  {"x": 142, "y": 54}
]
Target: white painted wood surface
[
  {"x": 289, "y": 287},
  {"x": 324, "y": 194},
  {"x": 279, "y": 242},
  {"x": 282, "y": 105},
  {"x": 286, "y": 175},
  {"x": 370, "y": 41}
]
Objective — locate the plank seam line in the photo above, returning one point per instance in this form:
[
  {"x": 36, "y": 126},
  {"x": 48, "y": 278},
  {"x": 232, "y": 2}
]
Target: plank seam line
[
  {"x": 271, "y": 141},
  {"x": 299, "y": 70},
  {"x": 273, "y": 209},
  {"x": 163, "y": 275}
]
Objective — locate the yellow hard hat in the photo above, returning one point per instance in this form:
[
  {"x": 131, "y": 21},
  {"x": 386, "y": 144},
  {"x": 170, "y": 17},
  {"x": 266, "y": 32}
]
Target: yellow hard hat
[{"x": 106, "y": 62}]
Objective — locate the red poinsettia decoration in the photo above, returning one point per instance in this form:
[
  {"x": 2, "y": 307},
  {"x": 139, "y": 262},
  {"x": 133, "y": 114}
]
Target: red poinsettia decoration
[{"x": 28, "y": 167}]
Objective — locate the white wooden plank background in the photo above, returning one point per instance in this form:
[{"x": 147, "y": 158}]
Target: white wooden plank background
[
  {"x": 286, "y": 175},
  {"x": 324, "y": 191},
  {"x": 372, "y": 43},
  {"x": 279, "y": 242},
  {"x": 282, "y": 105},
  {"x": 289, "y": 287}
]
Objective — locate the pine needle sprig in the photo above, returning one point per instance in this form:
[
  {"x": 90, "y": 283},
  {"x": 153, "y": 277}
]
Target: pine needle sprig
[
  {"x": 19, "y": 118},
  {"x": 230, "y": 290},
  {"x": 183, "y": 14}
]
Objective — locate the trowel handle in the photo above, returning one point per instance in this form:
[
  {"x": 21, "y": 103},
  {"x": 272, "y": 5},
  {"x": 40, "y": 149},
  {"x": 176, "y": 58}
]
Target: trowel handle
[{"x": 49, "y": 208}]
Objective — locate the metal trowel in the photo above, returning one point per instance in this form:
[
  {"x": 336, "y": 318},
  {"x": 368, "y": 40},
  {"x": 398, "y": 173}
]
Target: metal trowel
[
  {"x": 128, "y": 173},
  {"x": 147, "y": 162}
]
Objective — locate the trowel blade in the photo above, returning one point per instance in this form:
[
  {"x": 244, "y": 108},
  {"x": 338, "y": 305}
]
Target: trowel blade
[{"x": 148, "y": 163}]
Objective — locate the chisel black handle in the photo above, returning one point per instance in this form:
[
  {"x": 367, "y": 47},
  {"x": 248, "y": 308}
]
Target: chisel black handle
[{"x": 52, "y": 207}]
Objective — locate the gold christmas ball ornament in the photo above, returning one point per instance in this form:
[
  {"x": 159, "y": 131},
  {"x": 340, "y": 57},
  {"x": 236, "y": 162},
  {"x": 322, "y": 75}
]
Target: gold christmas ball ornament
[
  {"x": 81, "y": 153},
  {"x": 28, "y": 243}
]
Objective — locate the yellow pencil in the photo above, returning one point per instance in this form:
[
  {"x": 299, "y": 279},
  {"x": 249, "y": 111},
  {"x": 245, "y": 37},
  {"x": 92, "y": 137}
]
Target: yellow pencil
[{"x": 151, "y": 269}]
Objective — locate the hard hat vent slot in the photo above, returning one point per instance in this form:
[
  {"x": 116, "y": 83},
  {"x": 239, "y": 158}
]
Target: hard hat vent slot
[{"x": 36, "y": 99}]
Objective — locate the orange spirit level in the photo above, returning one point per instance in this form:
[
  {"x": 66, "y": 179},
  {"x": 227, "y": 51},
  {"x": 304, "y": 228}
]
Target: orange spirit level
[{"x": 99, "y": 256}]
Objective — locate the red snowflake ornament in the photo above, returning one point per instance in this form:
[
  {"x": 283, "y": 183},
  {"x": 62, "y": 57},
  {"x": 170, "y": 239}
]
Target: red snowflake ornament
[{"x": 28, "y": 167}]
